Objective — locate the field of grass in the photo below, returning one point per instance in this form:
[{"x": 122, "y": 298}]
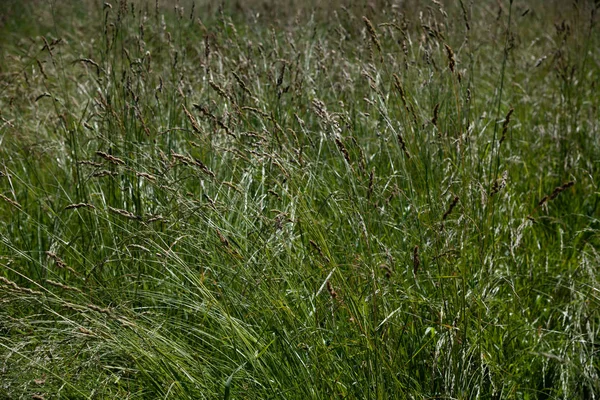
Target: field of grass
[{"x": 273, "y": 200}]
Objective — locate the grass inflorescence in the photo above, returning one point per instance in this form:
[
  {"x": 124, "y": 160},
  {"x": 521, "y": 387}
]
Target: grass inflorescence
[{"x": 391, "y": 199}]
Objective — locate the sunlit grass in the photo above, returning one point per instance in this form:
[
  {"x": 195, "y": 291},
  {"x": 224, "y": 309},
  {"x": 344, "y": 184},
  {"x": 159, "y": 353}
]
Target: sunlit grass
[{"x": 395, "y": 201}]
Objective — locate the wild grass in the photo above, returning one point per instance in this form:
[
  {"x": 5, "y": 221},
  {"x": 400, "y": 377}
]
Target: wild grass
[{"x": 395, "y": 200}]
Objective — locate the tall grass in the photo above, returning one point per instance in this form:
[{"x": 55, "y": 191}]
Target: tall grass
[{"x": 254, "y": 201}]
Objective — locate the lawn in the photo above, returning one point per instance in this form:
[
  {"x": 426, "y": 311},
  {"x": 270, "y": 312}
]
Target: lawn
[{"x": 299, "y": 200}]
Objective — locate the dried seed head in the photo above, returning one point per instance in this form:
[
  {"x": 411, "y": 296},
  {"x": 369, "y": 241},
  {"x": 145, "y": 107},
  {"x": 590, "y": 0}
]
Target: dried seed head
[
  {"x": 192, "y": 120},
  {"x": 416, "y": 260},
  {"x": 146, "y": 175},
  {"x": 465, "y": 15},
  {"x": 331, "y": 291},
  {"x": 256, "y": 111},
  {"x": 557, "y": 190},
  {"x": 281, "y": 74},
  {"x": 398, "y": 85},
  {"x": 109, "y": 158},
  {"x": 17, "y": 287},
  {"x": 450, "y": 54},
  {"x": 104, "y": 172},
  {"x": 62, "y": 286},
  {"x": 79, "y": 205},
  {"x": 99, "y": 309},
  {"x": 154, "y": 218},
  {"x": 387, "y": 269},
  {"x": 407, "y": 106},
  {"x": 436, "y": 111},
  {"x": 505, "y": 124},
  {"x": 372, "y": 33},
  {"x": 218, "y": 89},
  {"x": 319, "y": 250},
  {"x": 321, "y": 109},
  {"x": 10, "y": 201},
  {"x": 403, "y": 145},
  {"x": 499, "y": 183},
  {"x": 560, "y": 189},
  {"x": 84, "y": 331},
  {"x": 343, "y": 150},
  {"x": 371, "y": 183},
  {"x": 222, "y": 238},
  {"x": 124, "y": 213},
  {"x": 242, "y": 84},
  {"x": 60, "y": 263},
  {"x": 206, "y": 48},
  {"x": 449, "y": 211}
]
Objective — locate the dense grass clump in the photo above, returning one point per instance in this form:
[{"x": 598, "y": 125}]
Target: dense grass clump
[{"x": 395, "y": 199}]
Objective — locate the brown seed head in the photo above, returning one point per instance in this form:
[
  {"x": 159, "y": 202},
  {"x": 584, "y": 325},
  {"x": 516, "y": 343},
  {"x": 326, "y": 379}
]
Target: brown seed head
[
  {"x": 505, "y": 124},
  {"x": 416, "y": 260},
  {"x": 372, "y": 33},
  {"x": 449, "y": 211},
  {"x": 436, "y": 111},
  {"x": 451, "y": 60},
  {"x": 331, "y": 291}
]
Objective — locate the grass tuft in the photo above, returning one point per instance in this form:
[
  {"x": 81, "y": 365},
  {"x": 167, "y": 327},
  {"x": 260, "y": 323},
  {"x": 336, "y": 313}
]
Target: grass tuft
[{"x": 320, "y": 200}]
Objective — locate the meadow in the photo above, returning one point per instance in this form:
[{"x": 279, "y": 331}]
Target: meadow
[{"x": 299, "y": 200}]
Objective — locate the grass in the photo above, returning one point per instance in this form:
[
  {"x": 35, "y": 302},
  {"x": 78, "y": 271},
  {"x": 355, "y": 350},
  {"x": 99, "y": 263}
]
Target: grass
[{"x": 251, "y": 201}]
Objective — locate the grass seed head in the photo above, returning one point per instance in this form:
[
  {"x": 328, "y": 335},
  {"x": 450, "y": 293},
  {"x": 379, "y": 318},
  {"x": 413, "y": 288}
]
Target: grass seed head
[
  {"x": 403, "y": 145},
  {"x": 342, "y": 147},
  {"x": 63, "y": 286},
  {"x": 505, "y": 124},
  {"x": 10, "y": 201},
  {"x": 499, "y": 183},
  {"x": 451, "y": 59},
  {"x": 18, "y": 288},
  {"x": 436, "y": 111},
  {"x": 416, "y": 260},
  {"x": 387, "y": 269},
  {"x": 79, "y": 205},
  {"x": 192, "y": 120},
  {"x": 452, "y": 205},
  {"x": 222, "y": 238},
  {"x": 372, "y": 33},
  {"x": 331, "y": 291},
  {"x": 111, "y": 159}
]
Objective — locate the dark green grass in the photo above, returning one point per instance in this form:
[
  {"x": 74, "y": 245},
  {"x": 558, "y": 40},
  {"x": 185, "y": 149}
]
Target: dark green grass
[{"x": 268, "y": 202}]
